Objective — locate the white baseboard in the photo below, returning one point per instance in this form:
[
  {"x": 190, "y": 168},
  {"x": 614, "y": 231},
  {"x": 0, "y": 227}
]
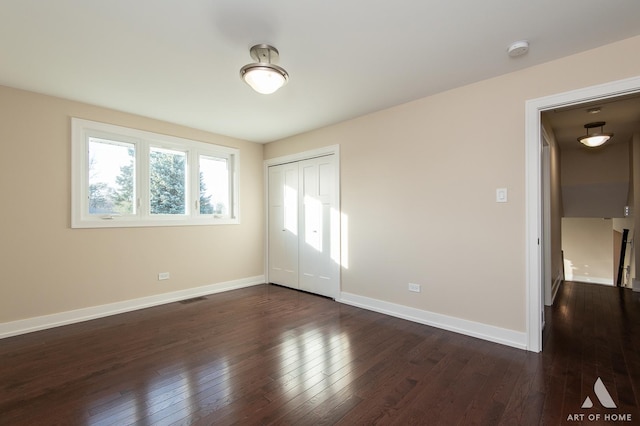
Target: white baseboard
[
  {"x": 593, "y": 280},
  {"x": 555, "y": 286},
  {"x": 28, "y": 325},
  {"x": 491, "y": 333}
]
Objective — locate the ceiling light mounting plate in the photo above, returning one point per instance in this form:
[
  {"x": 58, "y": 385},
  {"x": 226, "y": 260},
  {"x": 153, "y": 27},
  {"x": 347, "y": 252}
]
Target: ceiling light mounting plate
[
  {"x": 595, "y": 124},
  {"x": 265, "y": 53}
]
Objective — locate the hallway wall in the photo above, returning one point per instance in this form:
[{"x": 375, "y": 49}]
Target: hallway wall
[{"x": 588, "y": 249}]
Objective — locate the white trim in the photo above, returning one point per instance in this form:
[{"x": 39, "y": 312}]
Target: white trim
[
  {"x": 533, "y": 176},
  {"x": 592, "y": 280},
  {"x": 546, "y": 220},
  {"x": 306, "y": 155},
  {"x": 556, "y": 286},
  {"x": 82, "y": 130},
  {"x": 28, "y": 325},
  {"x": 300, "y": 156},
  {"x": 491, "y": 333}
]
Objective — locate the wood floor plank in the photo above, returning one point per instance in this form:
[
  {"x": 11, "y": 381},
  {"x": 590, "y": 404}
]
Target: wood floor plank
[{"x": 272, "y": 355}]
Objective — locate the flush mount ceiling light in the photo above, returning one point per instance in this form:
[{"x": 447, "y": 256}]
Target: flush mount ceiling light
[
  {"x": 264, "y": 76},
  {"x": 596, "y": 138}
]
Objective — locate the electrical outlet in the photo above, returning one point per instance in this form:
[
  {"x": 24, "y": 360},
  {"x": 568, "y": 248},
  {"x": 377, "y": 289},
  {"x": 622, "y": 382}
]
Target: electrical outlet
[
  {"x": 414, "y": 287},
  {"x": 163, "y": 276}
]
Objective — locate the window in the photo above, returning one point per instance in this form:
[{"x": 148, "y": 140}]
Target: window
[
  {"x": 167, "y": 181},
  {"x": 111, "y": 177},
  {"x": 214, "y": 185},
  {"x": 124, "y": 177}
]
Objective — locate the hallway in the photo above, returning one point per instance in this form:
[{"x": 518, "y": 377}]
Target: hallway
[{"x": 592, "y": 331}]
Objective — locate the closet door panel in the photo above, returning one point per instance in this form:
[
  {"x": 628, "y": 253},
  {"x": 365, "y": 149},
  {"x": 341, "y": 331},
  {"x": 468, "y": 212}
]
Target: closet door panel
[
  {"x": 311, "y": 226},
  {"x": 319, "y": 260},
  {"x": 283, "y": 225}
]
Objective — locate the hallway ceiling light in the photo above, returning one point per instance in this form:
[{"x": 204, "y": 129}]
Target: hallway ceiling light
[
  {"x": 597, "y": 138},
  {"x": 264, "y": 76}
]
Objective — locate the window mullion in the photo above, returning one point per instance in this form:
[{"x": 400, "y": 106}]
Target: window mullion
[
  {"x": 143, "y": 180},
  {"x": 233, "y": 186},
  {"x": 194, "y": 178}
]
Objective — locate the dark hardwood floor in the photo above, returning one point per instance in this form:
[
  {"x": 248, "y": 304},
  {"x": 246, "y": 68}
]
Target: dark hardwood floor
[{"x": 270, "y": 355}]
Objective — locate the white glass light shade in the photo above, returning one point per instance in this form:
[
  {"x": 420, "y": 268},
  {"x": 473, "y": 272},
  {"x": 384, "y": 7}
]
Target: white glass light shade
[
  {"x": 264, "y": 78},
  {"x": 594, "y": 140}
]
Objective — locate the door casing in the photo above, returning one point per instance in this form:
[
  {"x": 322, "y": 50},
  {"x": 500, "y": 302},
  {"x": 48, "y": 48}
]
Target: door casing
[{"x": 533, "y": 190}]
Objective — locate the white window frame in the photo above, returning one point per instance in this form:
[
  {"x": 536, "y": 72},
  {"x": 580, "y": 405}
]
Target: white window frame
[{"x": 82, "y": 130}]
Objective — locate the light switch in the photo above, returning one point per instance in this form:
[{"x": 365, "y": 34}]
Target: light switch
[{"x": 501, "y": 195}]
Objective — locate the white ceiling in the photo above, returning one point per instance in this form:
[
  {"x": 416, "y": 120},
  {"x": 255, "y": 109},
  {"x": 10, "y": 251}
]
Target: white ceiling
[
  {"x": 621, "y": 115},
  {"x": 179, "y": 61}
]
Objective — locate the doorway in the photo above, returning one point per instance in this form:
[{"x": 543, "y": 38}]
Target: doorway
[{"x": 535, "y": 239}]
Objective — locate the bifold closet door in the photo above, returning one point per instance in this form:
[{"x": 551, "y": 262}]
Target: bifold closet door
[
  {"x": 304, "y": 226},
  {"x": 318, "y": 245},
  {"x": 283, "y": 224}
]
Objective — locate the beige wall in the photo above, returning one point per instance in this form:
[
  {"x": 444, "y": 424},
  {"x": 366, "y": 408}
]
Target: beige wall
[
  {"x": 418, "y": 188},
  {"x": 47, "y": 267},
  {"x": 588, "y": 250},
  {"x": 607, "y": 164},
  {"x": 595, "y": 183}
]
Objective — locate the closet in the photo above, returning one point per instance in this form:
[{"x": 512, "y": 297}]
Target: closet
[{"x": 304, "y": 225}]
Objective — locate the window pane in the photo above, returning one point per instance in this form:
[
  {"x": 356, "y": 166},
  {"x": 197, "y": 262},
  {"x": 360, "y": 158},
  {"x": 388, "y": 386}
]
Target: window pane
[
  {"x": 167, "y": 181},
  {"x": 214, "y": 185},
  {"x": 111, "y": 177}
]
